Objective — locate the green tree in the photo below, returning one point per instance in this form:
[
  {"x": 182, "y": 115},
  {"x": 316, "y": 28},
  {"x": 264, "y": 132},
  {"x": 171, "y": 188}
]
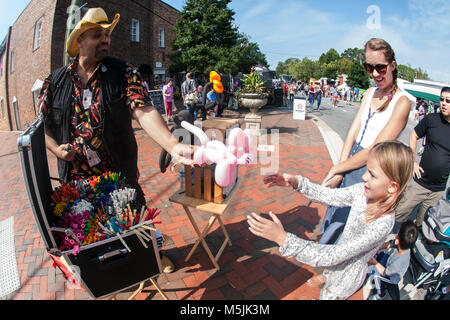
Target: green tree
[
  {"x": 408, "y": 73},
  {"x": 286, "y": 67},
  {"x": 358, "y": 77},
  {"x": 207, "y": 39},
  {"x": 306, "y": 69},
  {"x": 330, "y": 56},
  {"x": 353, "y": 54}
]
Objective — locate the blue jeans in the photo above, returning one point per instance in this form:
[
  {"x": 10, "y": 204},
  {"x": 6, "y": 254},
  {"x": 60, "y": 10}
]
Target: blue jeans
[
  {"x": 335, "y": 217},
  {"x": 311, "y": 101},
  {"x": 319, "y": 101}
]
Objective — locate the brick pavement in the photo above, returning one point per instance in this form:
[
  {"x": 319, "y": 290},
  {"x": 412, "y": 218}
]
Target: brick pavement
[{"x": 250, "y": 269}]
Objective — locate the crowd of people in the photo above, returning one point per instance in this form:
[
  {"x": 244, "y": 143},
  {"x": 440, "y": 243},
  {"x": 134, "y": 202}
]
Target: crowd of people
[{"x": 315, "y": 91}]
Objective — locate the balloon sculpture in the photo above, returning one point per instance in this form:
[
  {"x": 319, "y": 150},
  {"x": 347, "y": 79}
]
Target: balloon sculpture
[{"x": 226, "y": 158}]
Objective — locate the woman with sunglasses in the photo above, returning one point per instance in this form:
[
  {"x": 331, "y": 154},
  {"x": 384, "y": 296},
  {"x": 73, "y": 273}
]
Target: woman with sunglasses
[{"x": 382, "y": 116}]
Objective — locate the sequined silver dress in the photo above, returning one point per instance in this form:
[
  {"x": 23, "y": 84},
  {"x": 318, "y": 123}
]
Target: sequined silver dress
[{"x": 345, "y": 263}]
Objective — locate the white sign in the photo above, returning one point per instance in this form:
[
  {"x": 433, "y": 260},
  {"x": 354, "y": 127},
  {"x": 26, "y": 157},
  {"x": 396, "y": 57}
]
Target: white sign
[
  {"x": 299, "y": 108},
  {"x": 158, "y": 64}
]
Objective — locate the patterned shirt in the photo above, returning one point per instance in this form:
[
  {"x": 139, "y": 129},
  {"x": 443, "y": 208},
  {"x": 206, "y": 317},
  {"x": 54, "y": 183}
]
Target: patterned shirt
[{"x": 92, "y": 157}]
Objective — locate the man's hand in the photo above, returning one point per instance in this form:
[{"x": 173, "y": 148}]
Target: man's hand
[
  {"x": 417, "y": 170},
  {"x": 65, "y": 152},
  {"x": 182, "y": 153}
]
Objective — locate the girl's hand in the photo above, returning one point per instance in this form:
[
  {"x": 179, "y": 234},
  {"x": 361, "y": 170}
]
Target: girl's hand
[
  {"x": 268, "y": 229},
  {"x": 281, "y": 180},
  {"x": 417, "y": 170}
]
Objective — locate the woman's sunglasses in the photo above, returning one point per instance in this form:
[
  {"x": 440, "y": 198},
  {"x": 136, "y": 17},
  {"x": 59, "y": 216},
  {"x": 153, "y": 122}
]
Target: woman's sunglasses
[
  {"x": 447, "y": 100},
  {"x": 381, "y": 68}
]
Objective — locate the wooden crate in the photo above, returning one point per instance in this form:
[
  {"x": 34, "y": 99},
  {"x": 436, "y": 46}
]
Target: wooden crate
[
  {"x": 200, "y": 184},
  {"x": 216, "y": 128}
]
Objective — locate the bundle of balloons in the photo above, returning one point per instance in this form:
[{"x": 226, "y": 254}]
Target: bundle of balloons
[
  {"x": 226, "y": 158},
  {"x": 214, "y": 77}
]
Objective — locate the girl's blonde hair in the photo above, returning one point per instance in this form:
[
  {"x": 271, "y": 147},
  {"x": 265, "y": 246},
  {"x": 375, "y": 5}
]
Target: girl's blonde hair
[{"x": 397, "y": 162}]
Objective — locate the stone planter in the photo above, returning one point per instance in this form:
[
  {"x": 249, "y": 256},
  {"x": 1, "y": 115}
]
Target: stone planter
[{"x": 253, "y": 101}]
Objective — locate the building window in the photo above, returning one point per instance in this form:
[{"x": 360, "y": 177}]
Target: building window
[
  {"x": 134, "y": 30},
  {"x": 12, "y": 61},
  {"x": 161, "y": 37},
  {"x": 3, "y": 108},
  {"x": 16, "y": 113},
  {"x": 37, "y": 34}
]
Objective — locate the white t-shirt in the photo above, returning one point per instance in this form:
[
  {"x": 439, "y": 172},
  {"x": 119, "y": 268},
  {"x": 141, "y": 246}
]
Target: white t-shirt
[{"x": 378, "y": 120}]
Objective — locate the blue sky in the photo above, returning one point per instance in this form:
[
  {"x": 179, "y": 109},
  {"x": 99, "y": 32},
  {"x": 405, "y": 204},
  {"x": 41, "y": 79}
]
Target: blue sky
[{"x": 418, "y": 30}]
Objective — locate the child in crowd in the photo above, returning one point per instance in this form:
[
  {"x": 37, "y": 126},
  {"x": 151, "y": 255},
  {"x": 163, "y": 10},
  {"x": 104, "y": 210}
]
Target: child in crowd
[
  {"x": 392, "y": 267},
  {"x": 370, "y": 221}
]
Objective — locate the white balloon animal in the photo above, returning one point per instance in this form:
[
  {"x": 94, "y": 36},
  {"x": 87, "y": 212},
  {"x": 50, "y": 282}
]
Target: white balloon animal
[{"x": 226, "y": 158}]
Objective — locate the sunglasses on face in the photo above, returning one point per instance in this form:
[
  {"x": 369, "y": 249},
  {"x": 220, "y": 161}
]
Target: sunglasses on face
[
  {"x": 381, "y": 68},
  {"x": 447, "y": 100}
]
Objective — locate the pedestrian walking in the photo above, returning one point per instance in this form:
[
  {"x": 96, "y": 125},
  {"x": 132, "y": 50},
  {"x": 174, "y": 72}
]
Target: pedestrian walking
[{"x": 168, "y": 98}]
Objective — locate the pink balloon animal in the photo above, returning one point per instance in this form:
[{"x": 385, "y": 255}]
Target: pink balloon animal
[{"x": 226, "y": 158}]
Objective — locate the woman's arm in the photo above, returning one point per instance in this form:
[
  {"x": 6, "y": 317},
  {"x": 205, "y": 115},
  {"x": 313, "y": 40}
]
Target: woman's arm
[{"x": 333, "y": 178}]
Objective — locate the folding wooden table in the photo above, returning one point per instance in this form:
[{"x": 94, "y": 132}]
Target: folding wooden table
[{"x": 215, "y": 209}]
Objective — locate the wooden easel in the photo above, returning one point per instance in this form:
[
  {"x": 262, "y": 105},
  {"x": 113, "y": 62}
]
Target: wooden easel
[
  {"x": 139, "y": 290},
  {"x": 215, "y": 209}
]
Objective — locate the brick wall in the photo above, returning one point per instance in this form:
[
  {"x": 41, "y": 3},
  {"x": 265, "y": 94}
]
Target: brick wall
[
  {"x": 29, "y": 64},
  {"x": 4, "y": 119}
]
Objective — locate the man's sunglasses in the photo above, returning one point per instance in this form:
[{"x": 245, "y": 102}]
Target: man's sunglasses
[
  {"x": 381, "y": 68},
  {"x": 447, "y": 100}
]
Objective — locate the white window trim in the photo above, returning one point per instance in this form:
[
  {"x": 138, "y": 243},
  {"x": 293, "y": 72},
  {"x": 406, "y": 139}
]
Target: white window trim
[
  {"x": 135, "y": 30},
  {"x": 37, "y": 34},
  {"x": 16, "y": 113},
  {"x": 161, "y": 36}
]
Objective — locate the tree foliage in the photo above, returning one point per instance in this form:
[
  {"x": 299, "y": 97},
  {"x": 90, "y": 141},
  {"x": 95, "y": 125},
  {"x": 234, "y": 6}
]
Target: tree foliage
[
  {"x": 207, "y": 39},
  {"x": 409, "y": 74},
  {"x": 358, "y": 77},
  {"x": 330, "y": 65}
]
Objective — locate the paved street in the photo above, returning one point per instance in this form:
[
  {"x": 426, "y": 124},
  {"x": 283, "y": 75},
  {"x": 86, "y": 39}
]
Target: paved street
[{"x": 250, "y": 269}]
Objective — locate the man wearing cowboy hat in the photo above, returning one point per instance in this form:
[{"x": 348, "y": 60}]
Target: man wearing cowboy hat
[{"x": 88, "y": 107}]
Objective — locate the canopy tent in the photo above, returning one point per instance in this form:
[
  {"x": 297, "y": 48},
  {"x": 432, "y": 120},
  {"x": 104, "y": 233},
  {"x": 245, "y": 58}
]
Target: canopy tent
[{"x": 424, "y": 95}]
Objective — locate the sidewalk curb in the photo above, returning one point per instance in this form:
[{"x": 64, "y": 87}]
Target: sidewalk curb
[{"x": 332, "y": 140}]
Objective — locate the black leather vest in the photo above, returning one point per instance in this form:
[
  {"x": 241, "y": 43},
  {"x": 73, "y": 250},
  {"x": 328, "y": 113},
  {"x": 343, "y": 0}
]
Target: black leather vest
[{"x": 117, "y": 133}]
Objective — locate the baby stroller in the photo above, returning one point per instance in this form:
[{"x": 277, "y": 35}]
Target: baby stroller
[{"x": 430, "y": 257}]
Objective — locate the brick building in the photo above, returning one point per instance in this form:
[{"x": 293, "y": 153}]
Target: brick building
[{"x": 35, "y": 46}]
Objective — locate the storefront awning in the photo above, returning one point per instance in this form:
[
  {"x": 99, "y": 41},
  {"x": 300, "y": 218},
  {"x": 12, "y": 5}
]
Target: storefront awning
[{"x": 424, "y": 95}]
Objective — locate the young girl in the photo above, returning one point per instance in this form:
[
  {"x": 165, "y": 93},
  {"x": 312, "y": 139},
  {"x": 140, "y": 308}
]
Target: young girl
[{"x": 370, "y": 221}]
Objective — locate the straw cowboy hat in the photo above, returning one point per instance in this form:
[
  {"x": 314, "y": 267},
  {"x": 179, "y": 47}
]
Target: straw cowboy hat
[{"x": 94, "y": 18}]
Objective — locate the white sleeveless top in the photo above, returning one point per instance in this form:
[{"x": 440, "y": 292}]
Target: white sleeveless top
[{"x": 371, "y": 128}]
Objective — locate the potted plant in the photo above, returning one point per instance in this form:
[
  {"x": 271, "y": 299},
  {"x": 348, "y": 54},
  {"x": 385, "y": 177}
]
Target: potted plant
[{"x": 251, "y": 95}]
